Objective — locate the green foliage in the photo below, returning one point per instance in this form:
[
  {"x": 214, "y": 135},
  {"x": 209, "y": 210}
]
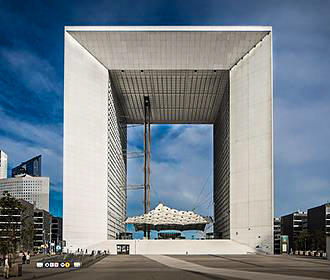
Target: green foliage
[
  {"x": 15, "y": 226},
  {"x": 318, "y": 240},
  {"x": 302, "y": 240},
  {"x": 27, "y": 236},
  {"x": 315, "y": 240}
]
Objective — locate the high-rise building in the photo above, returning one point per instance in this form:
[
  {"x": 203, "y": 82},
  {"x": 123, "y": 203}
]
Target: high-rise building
[
  {"x": 216, "y": 75},
  {"x": 56, "y": 233},
  {"x": 30, "y": 167},
  {"x": 32, "y": 189},
  {"x": 293, "y": 225},
  {"x": 319, "y": 226},
  {"x": 42, "y": 230},
  {"x": 3, "y": 165},
  {"x": 18, "y": 219},
  {"x": 43, "y": 226}
]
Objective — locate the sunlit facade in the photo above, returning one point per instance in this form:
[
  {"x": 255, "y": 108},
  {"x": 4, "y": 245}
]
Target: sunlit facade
[
  {"x": 34, "y": 190},
  {"x": 192, "y": 75},
  {"x": 3, "y": 165}
]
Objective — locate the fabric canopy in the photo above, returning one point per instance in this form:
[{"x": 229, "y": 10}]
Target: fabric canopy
[{"x": 165, "y": 218}]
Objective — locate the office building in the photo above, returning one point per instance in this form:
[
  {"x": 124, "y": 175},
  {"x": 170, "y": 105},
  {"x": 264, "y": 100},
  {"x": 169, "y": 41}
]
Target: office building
[
  {"x": 18, "y": 221},
  {"x": 319, "y": 226},
  {"x": 277, "y": 235},
  {"x": 42, "y": 230},
  {"x": 35, "y": 190},
  {"x": 35, "y": 229},
  {"x": 218, "y": 75},
  {"x": 294, "y": 225},
  {"x": 3, "y": 165},
  {"x": 30, "y": 167},
  {"x": 56, "y": 233}
]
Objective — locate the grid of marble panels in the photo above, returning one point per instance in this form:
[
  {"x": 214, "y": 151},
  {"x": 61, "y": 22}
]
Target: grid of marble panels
[
  {"x": 117, "y": 166},
  {"x": 221, "y": 166},
  {"x": 176, "y": 96},
  {"x": 138, "y": 50}
]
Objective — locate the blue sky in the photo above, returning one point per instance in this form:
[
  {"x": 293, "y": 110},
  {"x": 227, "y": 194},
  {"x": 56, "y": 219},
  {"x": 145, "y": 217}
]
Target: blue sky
[{"x": 31, "y": 95}]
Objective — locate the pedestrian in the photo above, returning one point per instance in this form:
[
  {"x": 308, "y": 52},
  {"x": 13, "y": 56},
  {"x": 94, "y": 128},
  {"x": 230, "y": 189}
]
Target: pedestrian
[
  {"x": 28, "y": 257},
  {"x": 23, "y": 258},
  {"x": 6, "y": 267}
]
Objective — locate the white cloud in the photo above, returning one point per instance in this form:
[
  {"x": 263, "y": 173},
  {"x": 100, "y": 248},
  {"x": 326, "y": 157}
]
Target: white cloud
[
  {"x": 47, "y": 136},
  {"x": 181, "y": 163},
  {"x": 23, "y": 140},
  {"x": 37, "y": 73}
]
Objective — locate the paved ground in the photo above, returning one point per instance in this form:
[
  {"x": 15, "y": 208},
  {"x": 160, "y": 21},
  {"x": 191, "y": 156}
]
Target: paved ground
[
  {"x": 31, "y": 272},
  {"x": 202, "y": 268},
  {"x": 252, "y": 266}
]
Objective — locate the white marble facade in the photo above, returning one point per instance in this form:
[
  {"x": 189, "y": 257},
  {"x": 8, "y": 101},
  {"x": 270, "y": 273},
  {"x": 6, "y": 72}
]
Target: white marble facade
[{"x": 93, "y": 206}]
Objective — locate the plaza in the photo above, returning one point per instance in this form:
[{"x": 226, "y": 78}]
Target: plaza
[{"x": 231, "y": 267}]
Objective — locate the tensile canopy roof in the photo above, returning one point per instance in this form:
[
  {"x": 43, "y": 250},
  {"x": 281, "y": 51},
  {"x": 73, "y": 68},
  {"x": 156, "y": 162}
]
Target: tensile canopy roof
[{"x": 165, "y": 218}]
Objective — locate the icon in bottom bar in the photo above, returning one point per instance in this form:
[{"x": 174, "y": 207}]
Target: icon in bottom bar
[{"x": 40, "y": 264}]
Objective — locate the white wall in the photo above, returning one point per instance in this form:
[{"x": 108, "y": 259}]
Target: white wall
[
  {"x": 174, "y": 247},
  {"x": 85, "y": 147},
  {"x": 251, "y": 151}
]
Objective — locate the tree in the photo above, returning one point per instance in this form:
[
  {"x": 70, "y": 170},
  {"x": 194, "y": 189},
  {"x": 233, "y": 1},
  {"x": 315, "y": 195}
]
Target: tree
[
  {"x": 318, "y": 240},
  {"x": 16, "y": 225},
  {"x": 302, "y": 240},
  {"x": 27, "y": 230}
]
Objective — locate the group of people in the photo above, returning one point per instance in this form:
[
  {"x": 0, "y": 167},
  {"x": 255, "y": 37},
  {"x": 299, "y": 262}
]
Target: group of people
[{"x": 7, "y": 262}]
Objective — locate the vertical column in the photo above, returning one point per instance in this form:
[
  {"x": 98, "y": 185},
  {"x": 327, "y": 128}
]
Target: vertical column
[
  {"x": 85, "y": 147},
  {"x": 146, "y": 161},
  {"x": 221, "y": 166},
  {"x": 117, "y": 164},
  {"x": 149, "y": 143},
  {"x": 145, "y": 164},
  {"x": 251, "y": 144}
]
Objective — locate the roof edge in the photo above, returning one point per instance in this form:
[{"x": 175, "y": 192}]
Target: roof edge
[{"x": 207, "y": 28}]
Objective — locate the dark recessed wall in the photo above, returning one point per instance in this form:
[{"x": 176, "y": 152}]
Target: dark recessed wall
[{"x": 221, "y": 166}]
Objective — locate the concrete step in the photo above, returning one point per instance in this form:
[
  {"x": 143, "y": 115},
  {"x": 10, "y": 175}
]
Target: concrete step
[{"x": 175, "y": 247}]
